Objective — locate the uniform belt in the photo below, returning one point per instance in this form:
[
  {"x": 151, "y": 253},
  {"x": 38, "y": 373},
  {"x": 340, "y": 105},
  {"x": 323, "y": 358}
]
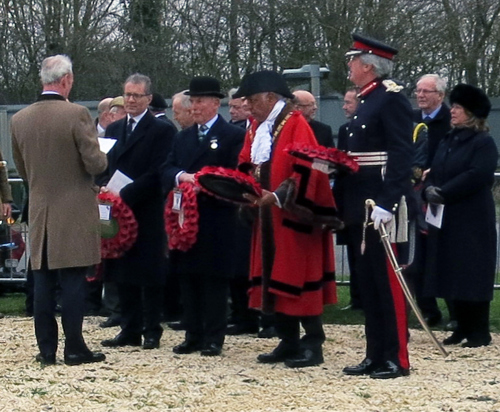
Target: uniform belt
[{"x": 369, "y": 158}]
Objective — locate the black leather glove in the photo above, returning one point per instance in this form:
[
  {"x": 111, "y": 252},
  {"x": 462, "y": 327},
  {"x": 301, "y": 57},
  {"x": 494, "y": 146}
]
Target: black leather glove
[{"x": 433, "y": 195}]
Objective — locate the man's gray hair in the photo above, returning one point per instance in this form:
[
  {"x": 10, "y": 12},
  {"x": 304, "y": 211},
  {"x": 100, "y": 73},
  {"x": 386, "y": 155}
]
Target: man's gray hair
[
  {"x": 138, "y": 78},
  {"x": 441, "y": 83},
  {"x": 381, "y": 66},
  {"x": 183, "y": 98},
  {"x": 54, "y": 68}
]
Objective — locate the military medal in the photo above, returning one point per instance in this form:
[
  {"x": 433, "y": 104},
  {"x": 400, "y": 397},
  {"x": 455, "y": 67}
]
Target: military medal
[{"x": 213, "y": 144}]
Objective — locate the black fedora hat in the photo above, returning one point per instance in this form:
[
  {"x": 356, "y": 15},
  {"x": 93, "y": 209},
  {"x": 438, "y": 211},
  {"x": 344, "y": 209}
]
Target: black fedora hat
[
  {"x": 262, "y": 82},
  {"x": 472, "y": 98},
  {"x": 204, "y": 86},
  {"x": 158, "y": 102}
]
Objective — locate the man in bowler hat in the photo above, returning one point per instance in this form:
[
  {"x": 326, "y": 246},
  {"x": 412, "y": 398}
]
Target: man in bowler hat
[{"x": 206, "y": 268}]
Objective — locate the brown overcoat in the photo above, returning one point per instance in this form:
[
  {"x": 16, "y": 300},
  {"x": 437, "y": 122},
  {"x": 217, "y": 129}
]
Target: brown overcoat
[{"x": 55, "y": 149}]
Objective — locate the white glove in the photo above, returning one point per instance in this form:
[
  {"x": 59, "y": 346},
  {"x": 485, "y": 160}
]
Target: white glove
[{"x": 380, "y": 215}]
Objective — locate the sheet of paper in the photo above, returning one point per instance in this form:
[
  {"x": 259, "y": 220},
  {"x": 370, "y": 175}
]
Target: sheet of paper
[
  {"x": 106, "y": 143},
  {"x": 104, "y": 212},
  {"x": 434, "y": 215},
  {"x": 117, "y": 182}
]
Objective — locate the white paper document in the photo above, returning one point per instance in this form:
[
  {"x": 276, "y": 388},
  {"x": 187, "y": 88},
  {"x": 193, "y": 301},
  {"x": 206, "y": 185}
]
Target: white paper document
[
  {"x": 434, "y": 215},
  {"x": 104, "y": 212},
  {"x": 106, "y": 143},
  {"x": 117, "y": 182}
]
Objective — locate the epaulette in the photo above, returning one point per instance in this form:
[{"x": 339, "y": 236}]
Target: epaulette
[{"x": 392, "y": 86}]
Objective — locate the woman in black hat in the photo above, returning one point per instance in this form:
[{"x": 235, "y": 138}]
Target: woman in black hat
[{"x": 462, "y": 252}]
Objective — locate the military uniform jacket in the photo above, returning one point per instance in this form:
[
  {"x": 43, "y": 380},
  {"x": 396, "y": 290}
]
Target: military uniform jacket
[
  {"x": 55, "y": 149},
  {"x": 140, "y": 158},
  {"x": 382, "y": 122},
  {"x": 213, "y": 253}
]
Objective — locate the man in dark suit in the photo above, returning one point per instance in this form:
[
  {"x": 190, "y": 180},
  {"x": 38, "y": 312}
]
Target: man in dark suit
[
  {"x": 143, "y": 144},
  {"x": 350, "y": 105},
  {"x": 55, "y": 148},
  {"x": 158, "y": 107},
  {"x": 435, "y": 114},
  {"x": 306, "y": 104},
  {"x": 206, "y": 268},
  {"x": 238, "y": 110}
]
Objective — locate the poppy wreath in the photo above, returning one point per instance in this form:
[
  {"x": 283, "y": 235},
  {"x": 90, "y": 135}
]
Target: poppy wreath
[
  {"x": 121, "y": 235},
  {"x": 246, "y": 182},
  {"x": 341, "y": 161},
  {"x": 182, "y": 226}
]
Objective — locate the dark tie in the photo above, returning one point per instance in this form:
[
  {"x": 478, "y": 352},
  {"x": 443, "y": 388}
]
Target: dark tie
[
  {"x": 427, "y": 119},
  {"x": 130, "y": 125},
  {"x": 202, "y": 130}
]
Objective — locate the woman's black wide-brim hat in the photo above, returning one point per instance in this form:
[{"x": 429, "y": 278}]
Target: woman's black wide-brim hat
[
  {"x": 262, "y": 82},
  {"x": 204, "y": 86},
  {"x": 472, "y": 98}
]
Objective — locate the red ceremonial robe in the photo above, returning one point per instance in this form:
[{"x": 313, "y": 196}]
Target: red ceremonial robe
[{"x": 299, "y": 258}]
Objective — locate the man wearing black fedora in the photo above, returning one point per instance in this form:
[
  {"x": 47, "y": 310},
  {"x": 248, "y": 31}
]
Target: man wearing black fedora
[
  {"x": 158, "y": 106},
  {"x": 206, "y": 268}
]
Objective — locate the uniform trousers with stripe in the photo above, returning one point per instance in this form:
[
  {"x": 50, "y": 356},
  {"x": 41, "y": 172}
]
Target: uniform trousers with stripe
[{"x": 384, "y": 304}]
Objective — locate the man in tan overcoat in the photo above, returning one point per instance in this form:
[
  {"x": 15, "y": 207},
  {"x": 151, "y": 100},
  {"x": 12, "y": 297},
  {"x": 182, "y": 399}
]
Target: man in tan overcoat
[{"x": 55, "y": 149}]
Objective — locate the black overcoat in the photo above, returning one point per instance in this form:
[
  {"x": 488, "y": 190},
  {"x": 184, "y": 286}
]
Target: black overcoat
[
  {"x": 462, "y": 254},
  {"x": 140, "y": 158},
  {"x": 213, "y": 252},
  {"x": 323, "y": 133}
]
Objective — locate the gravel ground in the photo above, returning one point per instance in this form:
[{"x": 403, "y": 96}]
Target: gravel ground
[{"x": 132, "y": 379}]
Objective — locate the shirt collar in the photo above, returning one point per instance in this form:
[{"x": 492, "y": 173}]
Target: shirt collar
[
  {"x": 138, "y": 117},
  {"x": 211, "y": 122},
  {"x": 433, "y": 114}
]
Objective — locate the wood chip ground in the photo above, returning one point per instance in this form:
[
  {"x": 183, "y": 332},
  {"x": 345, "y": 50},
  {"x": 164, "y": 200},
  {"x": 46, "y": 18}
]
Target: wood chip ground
[{"x": 132, "y": 379}]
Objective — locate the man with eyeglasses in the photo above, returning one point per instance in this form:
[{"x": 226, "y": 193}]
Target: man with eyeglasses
[
  {"x": 143, "y": 143},
  {"x": 435, "y": 114},
  {"x": 380, "y": 137},
  {"x": 306, "y": 104}
]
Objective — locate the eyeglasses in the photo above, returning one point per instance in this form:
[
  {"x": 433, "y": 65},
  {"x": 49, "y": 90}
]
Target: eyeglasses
[
  {"x": 134, "y": 96},
  {"x": 424, "y": 91}
]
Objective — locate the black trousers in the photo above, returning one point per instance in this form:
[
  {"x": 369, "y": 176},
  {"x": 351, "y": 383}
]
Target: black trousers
[
  {"x": 241, "y": 314},
  {"x": 141, "y": 308},
  {"x": 473, "y": 319},
  {"x": 72, "y": 284},
  {"x": 205, "y": 308},
  {"x": 288, "y": 330},
  {"x": 384, "y": 305}
]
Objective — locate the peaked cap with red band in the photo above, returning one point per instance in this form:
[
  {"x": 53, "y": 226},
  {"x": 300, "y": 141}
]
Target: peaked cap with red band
[{"x": 363, "y": 44}]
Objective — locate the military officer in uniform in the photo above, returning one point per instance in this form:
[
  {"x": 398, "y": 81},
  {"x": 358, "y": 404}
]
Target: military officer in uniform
[{"x": 380, "y": 137}]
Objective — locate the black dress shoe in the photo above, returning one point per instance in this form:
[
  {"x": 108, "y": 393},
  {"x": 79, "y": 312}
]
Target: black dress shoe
[
  {"x": 45, "y": 360},
  {"x": 176, "y": 325},
  {"x": 211, "y": 350},
  {"x": 280, "y": 354},
  {"x": 268, "y": 333},
  {"x": 241, "y": 329},
  {"x": 73, "y": 359},
  {"x": 122, "y": 340},
  {"x": 433, "y": 320},
  {"x": 187, "y": 347},
  {"x": 151, "y": 343},
  {"x": 389, "y": 371},
  {"x": 364, "y": 368},
  {"x": 309, "y": 357},
  {"x": 476, "y": 343},
  {"x": 454, "y": 339},
  {"x": 109, "y": 323}
]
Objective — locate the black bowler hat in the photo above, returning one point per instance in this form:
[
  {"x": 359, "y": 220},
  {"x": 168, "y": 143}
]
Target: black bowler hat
[
  {"x": 471, "y": 98},
  {"x": 204, "y": 86},
  {"x": 367, "y": 45},
  {"x": 262, "y": 82},
  {"x": 157, "y": 102}
]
